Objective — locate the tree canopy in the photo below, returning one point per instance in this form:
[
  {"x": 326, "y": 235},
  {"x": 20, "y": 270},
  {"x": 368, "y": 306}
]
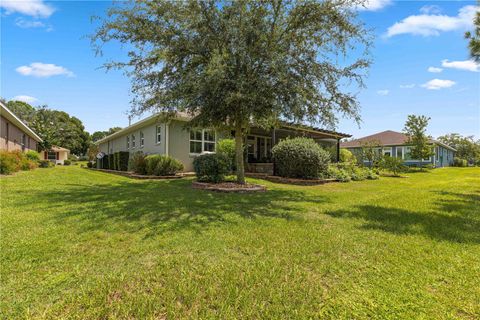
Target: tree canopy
[
  {"x": 466, "y": 146},
  {"x": 53, "y": 126},
  {"x": 474, "y": 38},
  {"x": 237, "y": 63},
  {"x": 415, "y": 129},
  {"x": 97, "y": 135}
]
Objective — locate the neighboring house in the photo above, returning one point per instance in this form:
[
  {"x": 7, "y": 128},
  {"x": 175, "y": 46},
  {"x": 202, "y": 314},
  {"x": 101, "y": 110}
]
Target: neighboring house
[
  {"x": 56, "y": 154},
  {"x": 156, "y": 136},
  {"x": 395, "y": 144},
  {"x": 14, "y": 134}
]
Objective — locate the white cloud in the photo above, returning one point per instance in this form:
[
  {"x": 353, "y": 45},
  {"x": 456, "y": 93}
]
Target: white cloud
[
  {"x": 433, "y": 9},
  {"x": 407, "y": 86},
  {"x": 34, "y": 8},
  {"x": 22, "y": 23},
  {"x": 374, "y": 5},
  {"x": 383, "y": 92},
  {"x": 433, "y": 24},
  {"x": 468, "y": 65},
  {"x": 434, "y": 69},
  {"x": 44, "y": 70},
  {"x": 26, "y": 99},
  {"x": 437, "y": 84}
]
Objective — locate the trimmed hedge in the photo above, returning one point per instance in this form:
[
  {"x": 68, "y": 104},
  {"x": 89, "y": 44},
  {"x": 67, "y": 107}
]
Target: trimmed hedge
[
  {"x": 122, "y": 160},
  {"x": 67, "y": 162},
  {"x": 459, "y": 162},
  {"x": 212, "y": 167},
  {"x": 162, "y": 165},
  {"x": 111, "y": 162},
  {"x": 300, "y": 158}
]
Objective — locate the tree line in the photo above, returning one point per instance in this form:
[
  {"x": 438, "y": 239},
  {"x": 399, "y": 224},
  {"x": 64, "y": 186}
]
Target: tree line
[{"x": 57, "y": 127}]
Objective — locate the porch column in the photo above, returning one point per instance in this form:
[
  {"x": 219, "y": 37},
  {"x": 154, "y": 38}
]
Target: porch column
[{"x": 338, "y": 150}]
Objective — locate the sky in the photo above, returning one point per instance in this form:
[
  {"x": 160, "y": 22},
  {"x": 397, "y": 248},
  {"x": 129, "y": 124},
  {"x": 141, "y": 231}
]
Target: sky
[{"x": 420, "y": 65}]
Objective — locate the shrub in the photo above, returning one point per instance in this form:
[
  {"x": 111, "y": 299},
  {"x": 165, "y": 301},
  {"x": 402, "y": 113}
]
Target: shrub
[
  {"x": 347, "y": 156},
  {"x": 9, "y": 162},
  {"x": 26, "y": 164},
  {"x": 89, "y": 164},
  {"x": 300, "y": 158},
  {"x": 137, "y": 163},
  {"x": 111, "y": 162},
  {"x": 115, "y": 161},
  {"x": 67, "y": 162},
  {"x": 372, "y": 175},
  {"x": 122, "y": 160},
  {"x": 32, "y": 155},
  {"x": 339, "y": 174},
  {"x": 211, "y": 167},
  {"x": 227, "y": 148},
  {"x": 45, "y": 164},
  {"x": 161, "y": 165},
  {"x": 459, "y": 162},
  {"x": 394, "y": 165}
]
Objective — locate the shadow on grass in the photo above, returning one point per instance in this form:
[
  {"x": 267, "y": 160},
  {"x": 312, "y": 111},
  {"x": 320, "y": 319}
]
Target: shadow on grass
[
  {"x": 455, "y": 217},
  {"x": 166, "y": 206}
]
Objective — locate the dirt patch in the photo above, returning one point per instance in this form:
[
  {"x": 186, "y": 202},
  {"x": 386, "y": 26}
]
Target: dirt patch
[
  {"x": 229, "y": 187},
  {"x": 301, "y": 182}
]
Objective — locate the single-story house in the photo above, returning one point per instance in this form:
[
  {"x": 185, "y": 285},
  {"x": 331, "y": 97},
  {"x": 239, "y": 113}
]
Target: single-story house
[
  {"x": 56, "y": 154},
  {"x": 155, "y": 135},
  {"x": 14, "y": 133},
  {"x": 395, "y": 144}
]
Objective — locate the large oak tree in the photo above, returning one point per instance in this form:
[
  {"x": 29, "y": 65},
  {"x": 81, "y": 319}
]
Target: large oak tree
[{"x": 234, "y": 64}]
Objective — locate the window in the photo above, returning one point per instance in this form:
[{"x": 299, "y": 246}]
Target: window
[
  {"x": 202, "y": 141},
  {"x": 158, "y": 136},
  {"x": 24, "y": 141},
  {"x": 52, "y": 155},
  {"x": 387, "y": 152},
  {"x": 142, "y": 139},
  {"x": 399, "y": 152},
  {"x": 209, "y": 140},
  {"x": 128, "y": 142},
  {"x": 133, "y": 141}
]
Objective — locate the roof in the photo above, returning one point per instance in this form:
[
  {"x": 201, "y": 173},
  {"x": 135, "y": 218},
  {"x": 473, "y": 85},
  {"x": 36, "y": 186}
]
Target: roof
[
  {"x": 183, "y": 116},
  {"x": 57, "y": 148},
  {"x": 10, "y": 116},
  {"x": 386, "y": 138}
]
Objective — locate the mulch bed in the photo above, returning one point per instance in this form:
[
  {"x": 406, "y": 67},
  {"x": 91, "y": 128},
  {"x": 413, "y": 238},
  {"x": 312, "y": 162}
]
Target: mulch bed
[
  {"x": 138, "y": 176},
  {"x": 229, "y": 187},
  {"x": 301, "y": 182}
]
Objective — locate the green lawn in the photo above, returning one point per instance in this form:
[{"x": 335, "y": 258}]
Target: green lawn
[{"x": 83, "y": 244}]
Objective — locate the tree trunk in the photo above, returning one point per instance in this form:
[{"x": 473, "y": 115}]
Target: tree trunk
[{"x": 239, "y": 155}]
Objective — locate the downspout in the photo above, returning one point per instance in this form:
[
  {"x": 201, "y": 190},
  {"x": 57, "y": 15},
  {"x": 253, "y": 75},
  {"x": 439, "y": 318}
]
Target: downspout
[
  {"x": 338, "y": 150},
  {"x": 167, "y": 130}
]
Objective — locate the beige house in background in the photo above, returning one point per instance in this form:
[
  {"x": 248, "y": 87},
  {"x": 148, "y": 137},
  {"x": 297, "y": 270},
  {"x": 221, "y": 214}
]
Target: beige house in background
[
  {"x": 154, "y": 135},
  {"x": 56, "y": 155},
  {"x": 14, "y": 134}
]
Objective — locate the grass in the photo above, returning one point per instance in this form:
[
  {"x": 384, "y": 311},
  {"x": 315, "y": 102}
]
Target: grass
[{"x": 80, "y": 244}]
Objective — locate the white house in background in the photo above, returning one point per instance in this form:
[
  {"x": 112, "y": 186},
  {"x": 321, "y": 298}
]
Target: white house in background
[{"x": 56, "y": 155}]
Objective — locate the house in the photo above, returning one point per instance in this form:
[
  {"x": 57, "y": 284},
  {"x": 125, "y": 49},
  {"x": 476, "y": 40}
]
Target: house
[
  {"x": 14, "y": 134},
  {"x": 56, "y": 154},
  {"x": 155, "y": 135},
  {"x": 395, "y": 144}
]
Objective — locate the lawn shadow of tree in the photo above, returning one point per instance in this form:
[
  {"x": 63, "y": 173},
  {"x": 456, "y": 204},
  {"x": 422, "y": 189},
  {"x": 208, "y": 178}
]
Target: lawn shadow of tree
[
  {"x": 159, "y": 206},
  {"x": 455, "y": 218}
]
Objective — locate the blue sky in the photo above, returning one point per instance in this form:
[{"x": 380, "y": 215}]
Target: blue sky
[{"x": 421, "y": 65}]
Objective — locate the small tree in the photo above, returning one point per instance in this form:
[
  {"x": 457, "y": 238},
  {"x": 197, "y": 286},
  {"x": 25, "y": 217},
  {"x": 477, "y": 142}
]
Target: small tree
[
  {"x": 415, "y": 129},
  {"x": 232, "y": 64},
  {"x": 394, "y": 165},
  {"x": 474, "y": 38},
  {"x": 370, "y": 151}
]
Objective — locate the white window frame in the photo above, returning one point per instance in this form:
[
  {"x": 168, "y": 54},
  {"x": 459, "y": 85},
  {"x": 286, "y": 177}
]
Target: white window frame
[
  {"x": 403, "y": 152},
  {"x": 203, "y": 141},
  {"x": 128, "y": 142},
  {"x": 142, "y": 139},
  {"x": 158, "y": 134},
  {"x": 387, "y": 149},
  {"x": 133, "y": 141}
]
